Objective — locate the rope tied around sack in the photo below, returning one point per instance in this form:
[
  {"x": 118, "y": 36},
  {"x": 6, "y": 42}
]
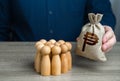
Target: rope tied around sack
[{"x": 94, "y": 20}]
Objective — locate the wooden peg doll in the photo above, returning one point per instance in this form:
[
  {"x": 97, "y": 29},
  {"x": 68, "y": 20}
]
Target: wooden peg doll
[
  {"x": 45, "y": 61},
  {"x": 37, "y": 60},
  {"x": 64, "y": 59},
  {"x": 69, "y": 45},
  {"x": 56, "y": 62}
]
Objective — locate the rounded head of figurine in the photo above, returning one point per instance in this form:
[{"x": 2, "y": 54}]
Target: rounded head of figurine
[
  {"x": 43, "y": 41},
  {"x": 61, "y": 41},
  {"x": 45, "y": 50},
  {"x": 52, "y": 41},
  {"x": 69, "y": 45},
  {"x": 56, "y": 50},
  {"x": 64, "y": 48}
]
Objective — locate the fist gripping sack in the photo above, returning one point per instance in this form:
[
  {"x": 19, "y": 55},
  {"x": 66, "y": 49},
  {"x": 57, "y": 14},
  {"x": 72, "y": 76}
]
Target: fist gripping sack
[{"x": 90, "y": 39}]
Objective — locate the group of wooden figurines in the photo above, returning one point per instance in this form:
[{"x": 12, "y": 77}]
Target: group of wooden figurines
[{"x": 53, "y": 57}]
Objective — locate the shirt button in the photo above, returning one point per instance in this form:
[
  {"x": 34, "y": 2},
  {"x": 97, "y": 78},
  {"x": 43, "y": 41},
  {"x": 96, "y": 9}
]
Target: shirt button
[
  {"x": 51, "y": 31},
  {"x": 50, "y": 12}
]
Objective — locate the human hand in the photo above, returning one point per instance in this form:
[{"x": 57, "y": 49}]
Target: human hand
[{"x": 109, "y": 39}]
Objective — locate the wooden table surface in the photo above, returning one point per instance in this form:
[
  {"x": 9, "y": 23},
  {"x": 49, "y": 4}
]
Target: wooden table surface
[{"x": 17, "y": 58}]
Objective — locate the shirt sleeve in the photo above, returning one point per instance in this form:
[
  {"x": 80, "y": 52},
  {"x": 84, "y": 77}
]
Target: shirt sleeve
[
  {"x": 4, "y": 20},
  {"x": 103, "y": 7}
]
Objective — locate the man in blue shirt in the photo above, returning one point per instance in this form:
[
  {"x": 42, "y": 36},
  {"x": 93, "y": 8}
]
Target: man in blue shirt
[{"x": 31, "y": 20}]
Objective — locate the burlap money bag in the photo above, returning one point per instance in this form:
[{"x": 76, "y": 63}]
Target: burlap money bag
[{"x": 90, "y": 39}]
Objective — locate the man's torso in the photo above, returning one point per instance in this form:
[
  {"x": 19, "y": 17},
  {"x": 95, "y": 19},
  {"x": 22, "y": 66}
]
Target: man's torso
[{"x": 57, "y": 19}]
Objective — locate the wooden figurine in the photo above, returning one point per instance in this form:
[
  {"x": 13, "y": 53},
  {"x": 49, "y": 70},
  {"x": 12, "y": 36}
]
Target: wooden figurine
[
  {"x": 45, "y": 61},
  {"x": 37, "y": 59},
  {"x": 69, "y": 45},
  {"x": 56, "y": 62},
  {"x": 64, "y": 59}
]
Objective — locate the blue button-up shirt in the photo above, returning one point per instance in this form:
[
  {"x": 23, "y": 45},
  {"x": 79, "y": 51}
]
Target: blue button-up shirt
[{"x": 31, "y": 20}]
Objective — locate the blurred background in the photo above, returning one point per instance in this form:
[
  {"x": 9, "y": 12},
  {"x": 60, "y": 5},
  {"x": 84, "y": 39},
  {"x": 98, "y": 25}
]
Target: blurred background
[{"x": 116, "y": 10}]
